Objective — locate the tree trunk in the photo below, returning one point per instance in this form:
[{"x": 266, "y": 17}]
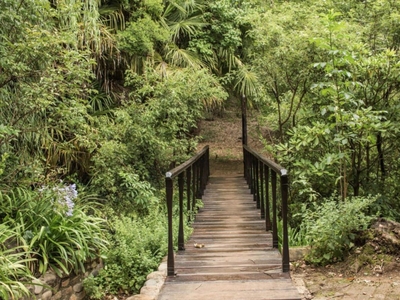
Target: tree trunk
[
  {"x": 381, "y": 161},
  {"x": 244, "y": 120}
]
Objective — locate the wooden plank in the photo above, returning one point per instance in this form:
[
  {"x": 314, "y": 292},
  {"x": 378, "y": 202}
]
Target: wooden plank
[
  {"x": 254, "y": 290},
  {"x": 237, "y": 260}
]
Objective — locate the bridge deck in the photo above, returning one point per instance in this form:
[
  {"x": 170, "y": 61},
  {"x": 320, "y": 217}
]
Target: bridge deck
[{"x": 237, "y": 260}]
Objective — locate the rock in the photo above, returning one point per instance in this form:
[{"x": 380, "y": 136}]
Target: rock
[
  {"x": 154, "y": 283},
  {"x": 66, "y": 293},
  {"x": 47, "y": 295},
  {"x": 65, "y": 283},
  {"x": 73, "y": 297},
  {"x": 149, "y": 291},
  {"x": 38, "y": 286},
  {"x": 298, "y": 253},
  {"x": 57, "y": 296},
  {"x": 78, "y": 287},
  {"x": 156, "y": 275},
  {"x": 163, "y": 267},
  {"x": 140, "y": 297},
  {"x": 50, "y": 279}
]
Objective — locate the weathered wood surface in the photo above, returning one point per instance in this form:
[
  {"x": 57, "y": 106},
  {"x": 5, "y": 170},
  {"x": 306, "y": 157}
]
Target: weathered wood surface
[{"x": 237, "y": 260}]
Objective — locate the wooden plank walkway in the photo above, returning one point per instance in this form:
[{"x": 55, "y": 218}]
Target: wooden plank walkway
[{"x": 237, "y": 260}]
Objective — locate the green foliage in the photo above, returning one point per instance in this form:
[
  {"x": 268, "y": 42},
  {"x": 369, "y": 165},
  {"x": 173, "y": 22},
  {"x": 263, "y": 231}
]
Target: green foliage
[
  {"x": 110, "y": 93},
  {"x": 140, "y": 37},
  {"x": 344, "y": 116},
  {"x": 296, "y": 237},
  {"x": 149, "y": 131},
  {"x": 13, "y": 270},
  {"x": 53, "y": 228},
  {"x": 43, "y": 86},
  {"x": 137, "y": 247},
  {"x": 332, "y": 226}
]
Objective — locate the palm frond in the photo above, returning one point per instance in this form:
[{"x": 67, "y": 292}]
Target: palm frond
[
  {"x": 182, "y": 57},
  {"x": 174, "y": 11},
  {"x": 113, "y": 16},
  {"x": 186, "y": 27},
  {"x": 246, "y": 82},
  {"x": 228, "y": 58}
]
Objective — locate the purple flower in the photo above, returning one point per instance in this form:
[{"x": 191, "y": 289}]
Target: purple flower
[{"x": 64, "y": 198}]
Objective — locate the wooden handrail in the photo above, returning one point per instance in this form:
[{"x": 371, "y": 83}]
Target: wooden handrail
[
  {"x": 258, "y": 171},
  {"x": 197, "y": 170}
]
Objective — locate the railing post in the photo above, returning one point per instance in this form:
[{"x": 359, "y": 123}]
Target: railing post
[
  {"x": 198, "y": 182},
  {"x": 208, "y": 163},
  {"x": 181, "y": 237},
  {"x": 267, "y": 206},
  {"x": 169, "y": 194},
  {"x": 246, "y": 165},
  {"x": 194, "y": 187},
  {"x": 257, "y": 184},
  {"x": 262, "y": 190},
  {"x": 188, "y": 184},
  {"x": 274, "y": 215},
  {"x": 285, "y": 238},
  {"x": 205, "y": 173},
  {"x": 201, "y": 178},
  {"x": 252, "y": 187}
]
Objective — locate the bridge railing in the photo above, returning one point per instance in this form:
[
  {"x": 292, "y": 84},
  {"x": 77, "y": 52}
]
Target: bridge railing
[
  {"x": 192, "y": 177},
  {"x": 262, "y": 176}
]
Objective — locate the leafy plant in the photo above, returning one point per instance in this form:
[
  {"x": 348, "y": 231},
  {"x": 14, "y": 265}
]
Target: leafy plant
[
  {"x": 53, "y": 228},
  {"x": 137, "y": 246},
  {"x": 13, "y": 267},
  {"x": 332, "y": 226},
  {"x": 296, "y": 236}
]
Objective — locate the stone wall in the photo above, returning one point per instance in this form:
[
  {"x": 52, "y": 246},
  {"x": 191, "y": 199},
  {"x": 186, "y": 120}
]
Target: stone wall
[{"x": 52, "y": 287}]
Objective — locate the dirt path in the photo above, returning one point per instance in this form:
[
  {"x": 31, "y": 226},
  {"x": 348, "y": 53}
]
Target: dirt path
[{"x": 331, "y": 283}]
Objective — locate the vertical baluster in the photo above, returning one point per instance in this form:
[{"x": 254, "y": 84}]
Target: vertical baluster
[
  {"x": 198, "y": 174},
  {"x": 285, "y": 241},
  {"x": 201, "y": 176},
  {"x": 208, "y": 163},
  {"x": 262, "y": 200},
  {"x": 257, "y": 183},
  {"x": 170, "y": 259},
  {"x": 252, "y": 174},
  {"x": 194, "y": 187},
  {"x": 274, "y": 212},
  {"x": 204, "y": 167},
  {"x": 249, "y": 157},
  {"x": 245, "y": 165},
  {"x": 267, "y": 206},
  {"x": 188, "y": 186},
  {"x": 181, "y": 237}
]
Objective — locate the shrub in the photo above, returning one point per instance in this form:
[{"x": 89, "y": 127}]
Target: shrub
[
  {"x": 53, "y": 225},
  {"x": 332, "y": 227},
  {"x": 137, "y": 245}
]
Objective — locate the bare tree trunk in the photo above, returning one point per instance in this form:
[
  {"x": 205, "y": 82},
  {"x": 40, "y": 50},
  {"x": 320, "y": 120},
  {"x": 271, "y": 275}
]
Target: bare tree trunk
[{"x": 381, "y": 161}]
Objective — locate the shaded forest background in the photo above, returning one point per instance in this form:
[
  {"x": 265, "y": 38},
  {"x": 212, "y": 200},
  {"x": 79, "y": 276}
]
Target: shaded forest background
[{"x": 98, "y": 98}]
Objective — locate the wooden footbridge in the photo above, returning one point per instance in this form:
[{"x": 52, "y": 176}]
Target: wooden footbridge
[{"x": 233, "y": 251}]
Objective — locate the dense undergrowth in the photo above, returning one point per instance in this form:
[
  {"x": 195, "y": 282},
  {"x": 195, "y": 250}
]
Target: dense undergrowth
[{"x": 98, "y": 99}]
